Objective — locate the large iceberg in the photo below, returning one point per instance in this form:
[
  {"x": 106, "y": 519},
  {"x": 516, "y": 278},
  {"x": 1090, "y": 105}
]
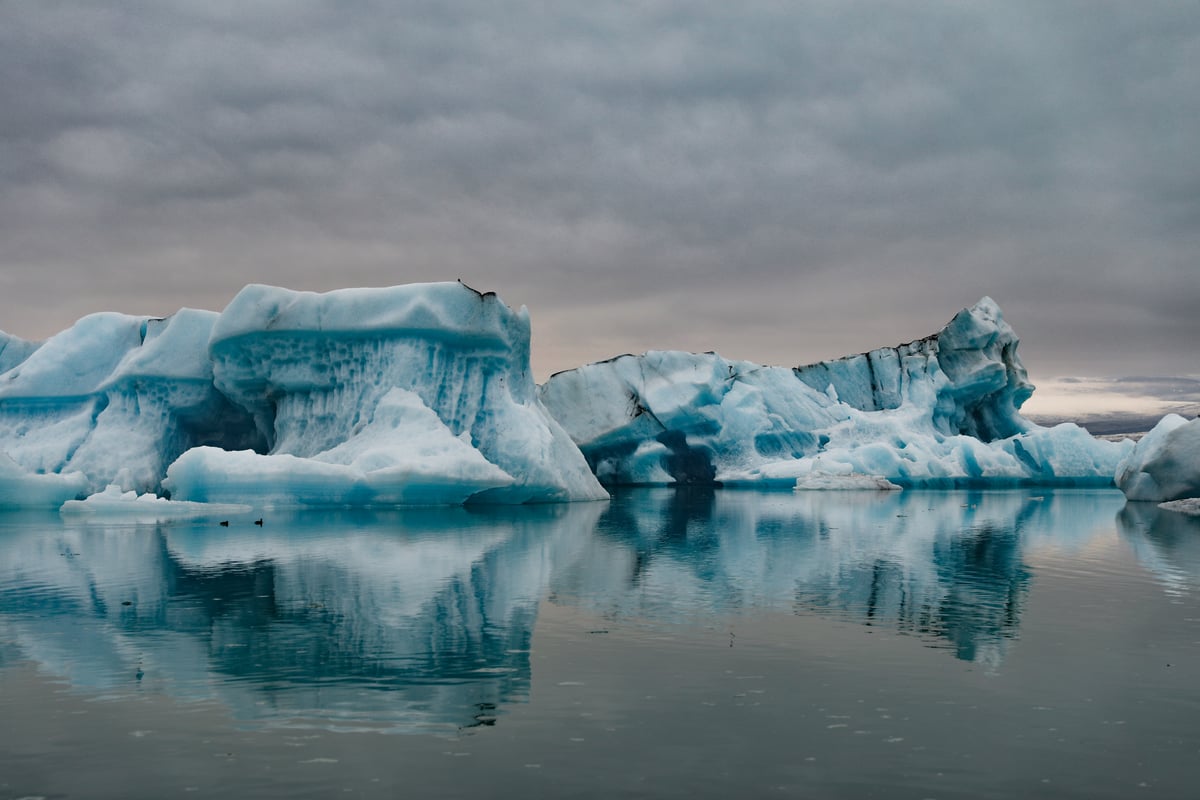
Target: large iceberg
[
  {"x": 1165, "y": 463},
  {"x": 418, "y": 394},
  {"x": 942, "y": 410}
]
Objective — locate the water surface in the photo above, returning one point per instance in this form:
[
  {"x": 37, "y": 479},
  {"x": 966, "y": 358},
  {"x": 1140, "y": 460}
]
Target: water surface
[{"x": 664, "y": 644}]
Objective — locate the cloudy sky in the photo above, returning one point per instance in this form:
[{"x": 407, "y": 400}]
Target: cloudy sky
[{"x": 779, "y": 181}]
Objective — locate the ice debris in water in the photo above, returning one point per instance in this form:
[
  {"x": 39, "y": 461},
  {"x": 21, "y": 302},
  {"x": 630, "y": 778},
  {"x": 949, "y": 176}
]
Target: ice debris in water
[
  {"x": 823, "y": 481},
  {"x": 1189, "y": 506},
  {"x": 115, "y": 503}
]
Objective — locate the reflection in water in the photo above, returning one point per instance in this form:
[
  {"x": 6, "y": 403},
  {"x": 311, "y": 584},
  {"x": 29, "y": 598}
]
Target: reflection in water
[
  {"x": 944, "y": 565},
  {"x": 1167, "y": 543},
  {"x": 413, "y": 621},
  {"x": 424, "y": 620}
]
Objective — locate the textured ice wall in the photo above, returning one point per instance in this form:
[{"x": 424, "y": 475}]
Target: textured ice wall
[
  {"x": 115, "y": 398},
  {"x": 326, "y": 375},
  {"x": 938, "y": 411},
  {"x": 970, "y": 367}
]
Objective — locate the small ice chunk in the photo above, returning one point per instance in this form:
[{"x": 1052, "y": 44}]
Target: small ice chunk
[
  {"x": 854, "y": 481},
  {"x": 113, "y": 502},
  {"x": 1190, "y": 506}
]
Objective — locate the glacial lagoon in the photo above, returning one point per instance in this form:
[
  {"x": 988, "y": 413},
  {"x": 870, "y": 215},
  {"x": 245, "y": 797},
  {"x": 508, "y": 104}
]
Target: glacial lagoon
[{"x": 668, "y": 643}]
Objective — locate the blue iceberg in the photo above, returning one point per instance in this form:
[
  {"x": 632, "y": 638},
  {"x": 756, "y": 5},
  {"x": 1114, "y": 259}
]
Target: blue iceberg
[
  {"x": 943, "y": 410},
  {"x": 410, "y": 395},
  {"x": 423, "y": 395}
]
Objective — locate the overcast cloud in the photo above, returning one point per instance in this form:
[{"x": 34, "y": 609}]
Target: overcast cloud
[{"x": 779, "y": 181}]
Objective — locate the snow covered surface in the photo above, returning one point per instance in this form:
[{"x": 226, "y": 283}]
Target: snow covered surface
[
  {"x": 1165, "y": 463},
  {"x": 940, "y": 411},
  {"x": 116, "y": 504}
]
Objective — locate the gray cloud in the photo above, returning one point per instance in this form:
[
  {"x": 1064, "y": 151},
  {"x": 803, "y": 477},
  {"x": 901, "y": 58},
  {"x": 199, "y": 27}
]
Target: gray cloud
[{"x": 780, "y": 182}]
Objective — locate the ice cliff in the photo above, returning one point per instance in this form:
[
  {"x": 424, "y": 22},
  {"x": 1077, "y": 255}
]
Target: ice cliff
[
  {"x": 417, "y": 394},
  {"x": 937, "y": 411}
]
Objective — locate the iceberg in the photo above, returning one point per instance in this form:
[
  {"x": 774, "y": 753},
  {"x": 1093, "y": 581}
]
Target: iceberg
[
  {"x": 423, "y": 395},
  {"x": 1165, "y": 463},
  {"x": 939, "y": 411},
  {"x": 408, "y": 395}
]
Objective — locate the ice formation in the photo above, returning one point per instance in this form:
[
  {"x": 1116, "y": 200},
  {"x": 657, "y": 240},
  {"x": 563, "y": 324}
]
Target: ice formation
[
  {"x": 938, "y": 411},
  {"x": 14, "y": 350},
  {"x": 405, "y": 395},
  {"x": 113, "y": 399},
  {"x": 1165, "y": 463},
  {"x": 422, "y": 394},
  {"x": 418, "y": 394}
]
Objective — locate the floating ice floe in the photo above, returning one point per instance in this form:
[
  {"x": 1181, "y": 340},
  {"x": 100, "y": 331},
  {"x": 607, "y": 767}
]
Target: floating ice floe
[
  {"x": 825, "y": 481},
  {"x": 1189, "y": 506},
  {"x": 113, "y": 503}
]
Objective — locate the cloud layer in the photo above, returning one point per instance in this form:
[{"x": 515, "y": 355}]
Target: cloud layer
[{"x": 781, "y": 182}]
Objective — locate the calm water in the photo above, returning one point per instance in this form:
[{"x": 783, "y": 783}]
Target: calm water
[{"x": 666, "y": 644}]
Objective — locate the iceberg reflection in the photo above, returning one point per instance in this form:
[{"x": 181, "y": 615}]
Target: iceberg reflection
[
  {"x": 947, "y": 566},
  {"x": 1166, "y": 543},
  {"x": 423, "y": 620},
  {"x": 418, "y": 620}
]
